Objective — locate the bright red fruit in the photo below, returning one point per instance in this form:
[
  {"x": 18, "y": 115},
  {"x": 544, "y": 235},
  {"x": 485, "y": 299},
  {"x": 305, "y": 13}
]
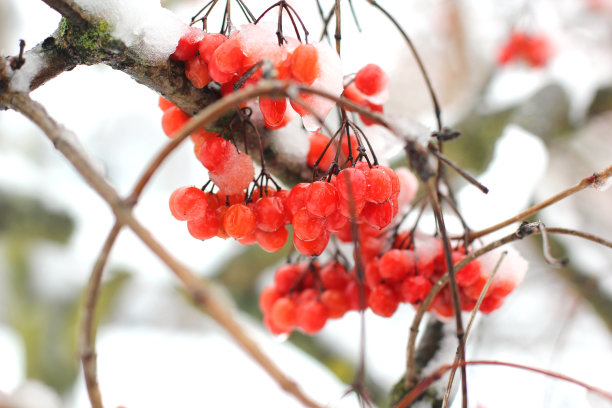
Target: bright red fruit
[
  {"x": 216, "y": 152},
  {"x": 371, "y": 79},
  {"x": 196, "y": 70},
  {"x": 336, "y": 303},
  {"x": 272, "y": 241},
  {"x": 311, "y": 248},
  {"x": 307, "y": 227},
  {"x": 273, "y": 110},
  {"x": 173, "y": 120},
  {"x": 239, "y": 221},
  {"x": 268, "y": 297},
  {"x": 284, "y": 313},
  {"x": 187, "y": 203},
  {"x": 322, "y": 199},
  {"x": 188, "y": 44},
  {"x": 383, "y": 300},
  {"x": 318, "y": 141},
  {"x": 209, "y": 44},
  {"x": 311, "y": 316},
  {"x": 304, "y": 63},
  {"x": 205, "y": 227},
  {"x": 269, "y": 214}
]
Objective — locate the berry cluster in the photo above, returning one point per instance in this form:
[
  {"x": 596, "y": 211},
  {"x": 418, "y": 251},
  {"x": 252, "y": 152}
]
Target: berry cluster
[
  {"x": 252, "y": 53},
  {"x": 534, "y": 49},
  {"x": 305, "y": 296}
]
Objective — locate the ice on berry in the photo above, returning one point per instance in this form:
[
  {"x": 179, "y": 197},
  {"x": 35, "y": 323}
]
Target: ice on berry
[{"x": 510, "y": 273}]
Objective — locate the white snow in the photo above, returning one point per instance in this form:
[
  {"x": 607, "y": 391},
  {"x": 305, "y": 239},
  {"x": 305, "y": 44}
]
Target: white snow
[
  {"x": 22, "y": 78},
  {"x": 144, "y": 25}
]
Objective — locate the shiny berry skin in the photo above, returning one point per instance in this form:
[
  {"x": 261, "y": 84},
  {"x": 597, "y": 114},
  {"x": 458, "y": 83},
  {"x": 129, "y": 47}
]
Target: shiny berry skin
[
  {"x": 378, "y": 185},
  {"x": 273, "y": 110},
  {"x": 311, "y": 248},
  {"x": 173, "y": 120},
  {"x": 321, "y": 199},
  {"x": 297, "y": 197},
  {"x": 187, "y": 203},
  {"x": 356, "y": 191},
  {"x": 306, "y": 226},
  {"x": 239, "y": 221},
  {"x": 269, "y": 213},
  {"x": 272, "y": 241},
  {"x": 196, "y": 70},
  {"x": 205, "y": 227},
  {"x": 209, "y": 44}
]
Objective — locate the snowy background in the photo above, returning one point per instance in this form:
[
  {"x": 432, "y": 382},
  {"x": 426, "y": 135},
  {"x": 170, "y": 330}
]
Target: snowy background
[{"x": 154, "y": 350}]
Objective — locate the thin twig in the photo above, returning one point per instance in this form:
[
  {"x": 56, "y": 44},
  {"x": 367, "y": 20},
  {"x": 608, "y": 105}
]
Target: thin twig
[
  {"x": 483, "y": 292},
  {"x": 584, "y": 183},
  {"x": 435, "y": 204},
  {"x": 87, "y": 344},
  {"x": 423, "y": 385}
]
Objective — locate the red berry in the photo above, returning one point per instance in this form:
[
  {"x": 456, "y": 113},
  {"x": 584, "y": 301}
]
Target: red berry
[
  {"x": 297, "y": 197},
  {"x": 268, "y": 297},
  {"x": 284, "y": 313},
  {"x": 491, "y": 303},
  {"x": 311, "y": 316},
  {"x": 216, "y": 152},
  {"x": 357, "y": 189},
  {"x": 336, "y": 221},
  {"x": 239, "y": 221},
  {"x": 378, "y": 185},
  {"x": 311, "y": 248},
  {"x": 273, "y": 110},
  {"x": 209, "y": 44},
  {"x": 227, "y": 61},
  {"x": 304, "y": 63},
  {"x": 352, "y": 293},
  {"x": 269, "y": 214},
  {"x": 164, "y": 104},
  {"x": 173, "y": 120},
  {"x": 205, "y": 227},
  {"x": 307, "y": 227},
  {"x": 188, "y": 44},
  {"x": 318, "y": 142},
  {"x": 286, "y": 277},
  {"x": 273, "y": 327},
  {"x": 378, "y": 215},
  {"x": 336, "y": 303},
  {"x": 272, "y": 241},
  {"x": 383, "y": 300},
  {"x": 334, "y": 276},
  {"x": 371, "y": 79},
  {"x": 235, "y": 176},
  {"x": 196, "y": 70},
  {"x": 414, "y": 289},
  {"x": 322, "y": 199},
  {"x": 188, "y": 203},
  {"x": 469, "y": 274},
  {"x": 395, "y": 265}
]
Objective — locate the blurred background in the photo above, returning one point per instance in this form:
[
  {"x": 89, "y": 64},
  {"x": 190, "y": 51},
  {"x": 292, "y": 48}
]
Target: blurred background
[{"x": 529, "y": 132}]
